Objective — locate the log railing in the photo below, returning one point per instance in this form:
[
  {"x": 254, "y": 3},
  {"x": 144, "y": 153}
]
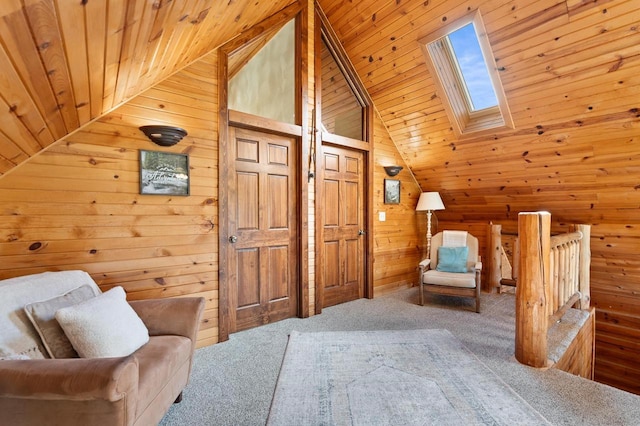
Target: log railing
[
  {"x": 503, "y": 269},
  {"x": 553, "y": 276}
]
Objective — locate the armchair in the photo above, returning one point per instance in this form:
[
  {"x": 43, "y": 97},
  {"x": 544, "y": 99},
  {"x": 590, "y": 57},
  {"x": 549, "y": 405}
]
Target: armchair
[
  {"x": 136, "y": 389},
  {"x": 438, "y": 277}
]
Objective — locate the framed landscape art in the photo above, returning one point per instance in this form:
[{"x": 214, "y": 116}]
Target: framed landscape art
[{"x": 164, "y": 173}]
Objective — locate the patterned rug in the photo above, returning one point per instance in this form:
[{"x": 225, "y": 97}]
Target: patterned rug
[{"x": 414, "y": 377}]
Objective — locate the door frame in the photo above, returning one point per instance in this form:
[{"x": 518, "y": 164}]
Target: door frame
[
  {"x": 322, "y": 27},
  {"x": 300, "y": 131}
]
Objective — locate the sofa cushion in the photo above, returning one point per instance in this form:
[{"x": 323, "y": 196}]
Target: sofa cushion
[
  {"x": 42, "y": 316},
  {"x": 104, "y": 326},
  {"x": 158, "y": 361},
  {"x": 17, "y": 334}
]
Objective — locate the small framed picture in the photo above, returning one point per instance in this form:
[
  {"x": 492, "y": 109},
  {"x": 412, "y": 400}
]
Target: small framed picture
[
  {"x": 391, "y": 191},
  {"x": 164, "y": 173}
]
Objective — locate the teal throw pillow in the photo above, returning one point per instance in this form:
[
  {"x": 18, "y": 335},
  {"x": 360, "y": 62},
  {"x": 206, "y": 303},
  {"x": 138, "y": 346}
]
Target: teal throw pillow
[{"x": 452, "y": 259}]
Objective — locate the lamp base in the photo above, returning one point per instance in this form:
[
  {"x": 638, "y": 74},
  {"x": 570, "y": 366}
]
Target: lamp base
[{"x": 429, "y": 233}]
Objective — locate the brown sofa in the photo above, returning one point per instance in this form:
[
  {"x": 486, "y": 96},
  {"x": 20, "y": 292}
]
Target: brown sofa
[{"x": 133, "y": 390}]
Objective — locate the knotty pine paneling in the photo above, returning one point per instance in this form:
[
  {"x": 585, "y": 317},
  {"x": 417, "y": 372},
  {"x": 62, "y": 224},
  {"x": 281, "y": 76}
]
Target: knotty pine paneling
[
  {"x": 398, "y": 241},
  {"x": 569, "y": 68},
  {"x": 570, "y": 73},
  {"x": 65, "y": 63},
  {"x": 77, "y": 205}
]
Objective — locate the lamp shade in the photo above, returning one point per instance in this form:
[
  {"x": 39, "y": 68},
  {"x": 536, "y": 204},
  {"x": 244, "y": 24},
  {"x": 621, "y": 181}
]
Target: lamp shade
[{"x": 429, "y": 201}]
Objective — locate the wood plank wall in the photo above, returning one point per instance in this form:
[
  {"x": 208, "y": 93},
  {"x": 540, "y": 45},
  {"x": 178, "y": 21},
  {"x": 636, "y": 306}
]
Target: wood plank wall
[
  {"x": 77, "y": 205},
  {"x": 400, "y": 239}
]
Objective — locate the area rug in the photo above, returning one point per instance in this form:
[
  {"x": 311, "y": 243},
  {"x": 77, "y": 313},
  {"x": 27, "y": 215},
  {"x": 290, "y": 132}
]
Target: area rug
[{"x": 412, "y": 377}]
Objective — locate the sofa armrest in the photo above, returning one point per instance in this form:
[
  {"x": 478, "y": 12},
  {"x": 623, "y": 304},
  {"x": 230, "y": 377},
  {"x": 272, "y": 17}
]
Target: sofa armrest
[
  {"x": 478, "y": 266},
  {"x": 78, "y": 379},
  {"x": 178, "y": 316}
]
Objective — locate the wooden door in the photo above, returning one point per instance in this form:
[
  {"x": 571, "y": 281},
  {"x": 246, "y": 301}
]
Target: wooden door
[
  {"x": 343, "y": 225},
  {"x": 263, "y": 229}
]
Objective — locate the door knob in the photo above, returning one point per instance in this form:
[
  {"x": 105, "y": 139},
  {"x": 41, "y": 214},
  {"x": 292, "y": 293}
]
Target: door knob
[
  {"x": 233, "y": 239},
  {"x": 361, "y": 232}
]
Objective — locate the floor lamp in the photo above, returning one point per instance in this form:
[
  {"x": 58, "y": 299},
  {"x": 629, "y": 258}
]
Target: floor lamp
[{"x": 429, "y": 201}]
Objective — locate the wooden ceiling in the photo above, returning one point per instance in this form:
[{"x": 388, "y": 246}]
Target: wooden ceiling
[
  {"x": 570, "y": 69},
  {"x": 571, "y": 73},
  {"x": 64, "y": 63}
]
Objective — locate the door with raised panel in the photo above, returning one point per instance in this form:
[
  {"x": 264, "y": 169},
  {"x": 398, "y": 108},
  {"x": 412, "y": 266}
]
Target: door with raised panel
[
  {"x": 343, "y": 225},
  {"x": 263, "y": 232}
]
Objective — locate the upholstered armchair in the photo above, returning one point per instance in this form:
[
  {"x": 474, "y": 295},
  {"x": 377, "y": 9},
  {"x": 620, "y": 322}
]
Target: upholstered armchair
[
  {"x": 42, "y": 384},
  {"x": 453, "y": 267}
]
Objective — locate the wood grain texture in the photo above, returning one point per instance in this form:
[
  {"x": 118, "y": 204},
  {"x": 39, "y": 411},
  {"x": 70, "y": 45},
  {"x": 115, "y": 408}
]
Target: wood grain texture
[
  {"x": 77, "y": 205},
  {"x": 67, "y": 63},
  {"x": 570, "y": 69},
  {"x": 570, "y": 74}
]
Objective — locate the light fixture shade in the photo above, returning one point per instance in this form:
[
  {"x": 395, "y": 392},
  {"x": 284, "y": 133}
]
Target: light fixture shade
[
  {"x": 164, "y": 135},
  {"x": 429, "y": 201},
  {"x": 392, "y": 170}
]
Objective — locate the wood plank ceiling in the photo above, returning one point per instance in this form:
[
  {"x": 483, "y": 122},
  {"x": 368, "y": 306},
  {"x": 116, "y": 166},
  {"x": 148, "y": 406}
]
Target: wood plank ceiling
[
  {"x": 571, "y": 73},
  {"x": 65, "y": 63}
]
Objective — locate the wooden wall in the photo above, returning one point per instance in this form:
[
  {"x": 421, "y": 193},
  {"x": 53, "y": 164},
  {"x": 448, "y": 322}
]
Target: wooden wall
[
  {"x": 569, "y": 67},
  {"x": 77, "y": 205},
  {"x": 398, "y": 241}
]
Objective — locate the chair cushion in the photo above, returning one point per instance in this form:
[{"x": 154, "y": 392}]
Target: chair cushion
[
  {"x": 42, "y": 316},
  {"x": 105, "y": 326},
  {"x": 452, "y": 259},
  {"x": 467, "y": 280}
]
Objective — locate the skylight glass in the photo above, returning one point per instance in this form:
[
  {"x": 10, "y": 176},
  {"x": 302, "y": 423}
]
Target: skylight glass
[{"x": 473, "y": 68}]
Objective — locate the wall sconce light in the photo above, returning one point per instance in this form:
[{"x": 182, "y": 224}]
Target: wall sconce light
[
  {"x": 164, "y": 135},
  {"x": 392, "y": 170}
]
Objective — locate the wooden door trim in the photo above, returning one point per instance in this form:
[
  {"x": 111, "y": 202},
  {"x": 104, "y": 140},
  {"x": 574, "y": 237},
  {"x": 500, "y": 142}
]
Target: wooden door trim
[
  {"x": 243, "y": 120},
  {"x": 301, "y": 129},
  {"x": 338, "y": 140}
]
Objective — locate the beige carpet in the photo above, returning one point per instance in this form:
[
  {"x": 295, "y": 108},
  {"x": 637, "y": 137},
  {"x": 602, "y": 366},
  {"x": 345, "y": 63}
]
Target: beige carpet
[{"x": 413, "y": 377}]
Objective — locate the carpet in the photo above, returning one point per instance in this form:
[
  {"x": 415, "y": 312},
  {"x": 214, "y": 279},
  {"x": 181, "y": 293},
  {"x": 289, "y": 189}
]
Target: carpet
[{"x": 408, "y": 377}]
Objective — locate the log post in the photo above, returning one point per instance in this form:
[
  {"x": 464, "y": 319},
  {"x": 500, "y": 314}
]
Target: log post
[
  {"x": 495, "y": 261},
  {"x": 584, "y": 275},
  {"x": 532, "y": 291}
]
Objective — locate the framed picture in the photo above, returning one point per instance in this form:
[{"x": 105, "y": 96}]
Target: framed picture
[
  {"x": 391, "y": 191},
  {"x": 164, "y": 173}
]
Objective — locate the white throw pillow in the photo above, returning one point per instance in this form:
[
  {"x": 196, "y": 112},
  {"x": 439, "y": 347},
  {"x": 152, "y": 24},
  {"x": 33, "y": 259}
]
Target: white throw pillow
[{"x": 105, "y": 326}]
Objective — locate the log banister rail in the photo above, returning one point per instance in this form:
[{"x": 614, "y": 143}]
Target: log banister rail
[
  {"x": 553, "y": 277},
  {"x": 496, "y": 278}
]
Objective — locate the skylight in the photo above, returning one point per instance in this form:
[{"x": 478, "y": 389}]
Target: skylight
[
  {"x": 461, "y": 63},
  {"x": 471, "y": 65}
]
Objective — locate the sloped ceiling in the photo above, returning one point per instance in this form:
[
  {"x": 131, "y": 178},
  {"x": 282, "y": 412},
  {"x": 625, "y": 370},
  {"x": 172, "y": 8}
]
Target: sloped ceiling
[
  {"x": 570, "y": 69},
  {"x": 64, "y": 63},
  {"x": 571, "y": 74}
]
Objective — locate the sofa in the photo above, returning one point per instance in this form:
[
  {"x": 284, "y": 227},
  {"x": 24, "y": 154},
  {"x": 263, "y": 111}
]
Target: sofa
[{"x": 84, "y": 389}]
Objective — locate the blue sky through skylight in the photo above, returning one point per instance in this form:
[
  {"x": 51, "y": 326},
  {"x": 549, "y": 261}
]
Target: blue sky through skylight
[{"x": 474, "y": 70}]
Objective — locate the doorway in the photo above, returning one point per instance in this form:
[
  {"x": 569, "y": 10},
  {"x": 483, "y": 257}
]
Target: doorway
[
  {"x": 343, "y": 234},
  {"x": 263, "y": 250},
  {"x": 263, "y": 263}
]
